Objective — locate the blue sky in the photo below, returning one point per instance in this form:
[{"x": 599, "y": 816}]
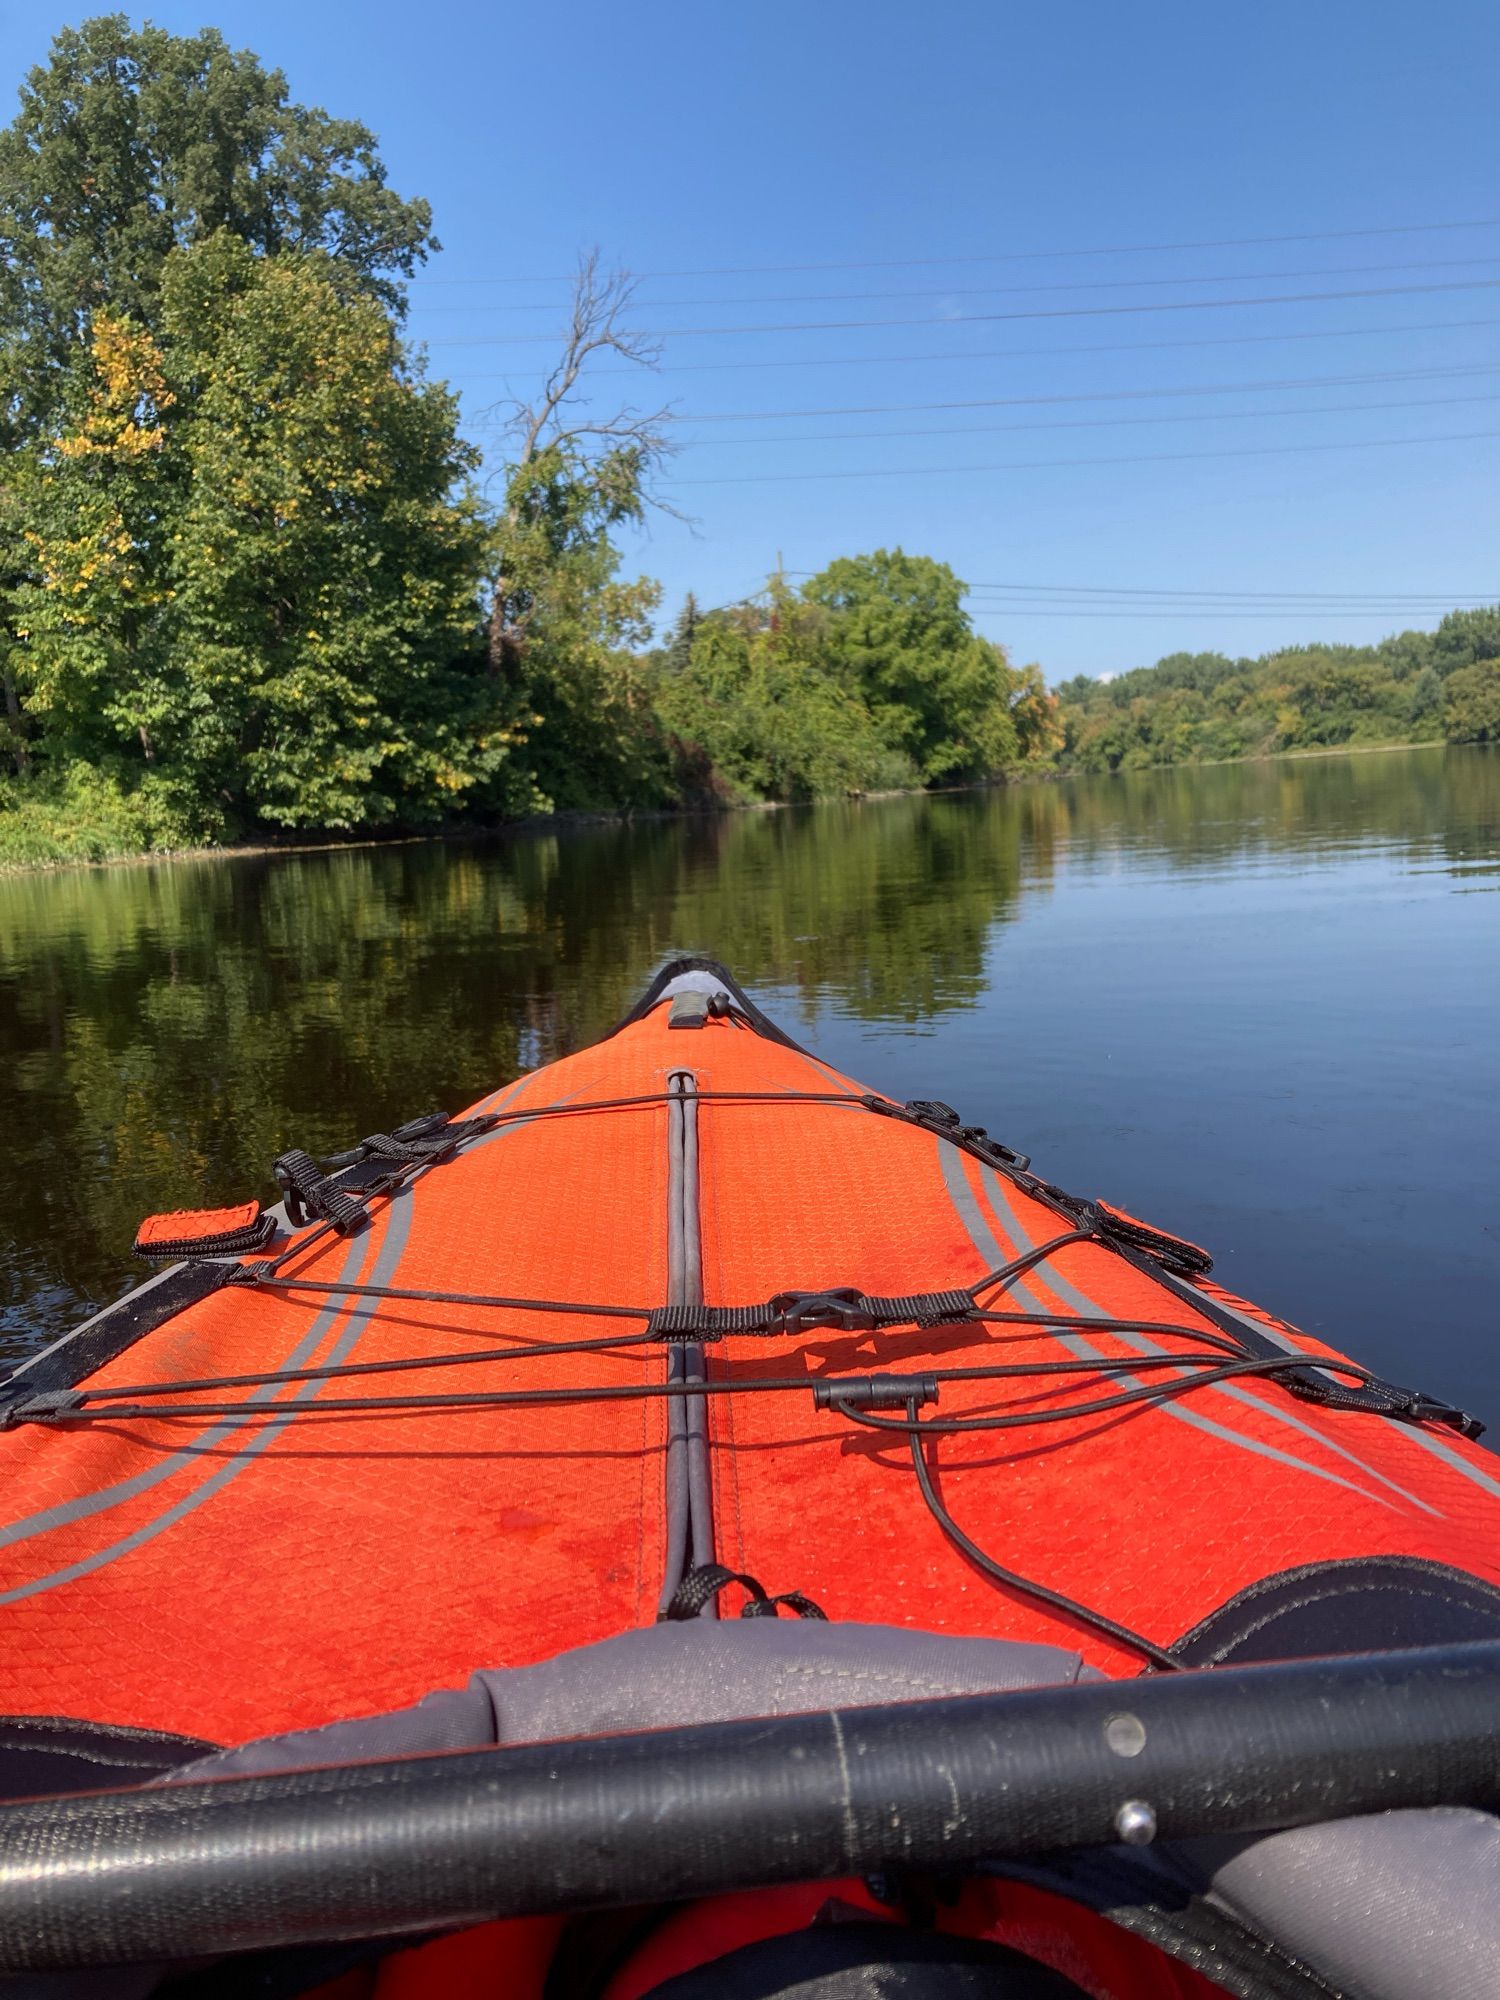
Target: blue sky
[{"x": 1328, "y": 463}]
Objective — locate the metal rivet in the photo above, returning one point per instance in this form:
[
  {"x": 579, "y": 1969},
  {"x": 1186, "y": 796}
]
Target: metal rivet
[
  {"x": 1125, "y": 1735},
  {"x": 1135, "y": 1823}
]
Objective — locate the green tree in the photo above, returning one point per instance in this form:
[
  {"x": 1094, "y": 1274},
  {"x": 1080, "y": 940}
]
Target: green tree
[
  {"x": 575, "y": 629},
  {"x": 1464, "y": 638},
  {"x": 1471, "y": 704},
  {"x": 253, "y": 565},
  {"x": 131, "y": 145},
  {"x": 133, "y": 142},
  {"x": 940, "y": 696},
  {"x": 326, "y": 575},
  {"x": 1194, "y": 706},
  {"x": 760, "y": 699},
  {"x": 95, "y": 501},
  {"x": 679, "y": 649}
]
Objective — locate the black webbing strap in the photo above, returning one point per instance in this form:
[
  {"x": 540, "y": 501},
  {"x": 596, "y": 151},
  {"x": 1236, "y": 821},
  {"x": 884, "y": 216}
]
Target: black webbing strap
[
  {"x": 314, "y": 1191},
  {"x": 704, "y": 1583},
  {"x": 1379, "y": 1398},
  {"x": 1173, "y": 1253},
  {"x": 1313, "y": 1383},
  {"x": 117, "y": 1329},
  {"x": 309, "y": 1193},
  {"x": 21, "y": 1404},
  {"x": 843, "y": 1307},
  {"x": 935, "y": 1116},
  {"x": 429, "y": 1137}
]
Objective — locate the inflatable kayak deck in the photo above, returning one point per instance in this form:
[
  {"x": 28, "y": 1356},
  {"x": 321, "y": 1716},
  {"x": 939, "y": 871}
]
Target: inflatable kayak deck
[{"x": 683, "y": 1326}]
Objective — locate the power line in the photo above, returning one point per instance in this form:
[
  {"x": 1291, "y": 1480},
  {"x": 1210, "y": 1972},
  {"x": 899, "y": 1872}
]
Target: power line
[
  {"x": 979, "y": 319},
  {"x": 998, "y": 291},
  {"x": 1382, "y": 601},
  {"x": 1146, "y": 590},
  {"x": 1232, "y": 606},
  {"x": 1270, "y": 603},
  {"x": 1099, "y": 423},
  {"x": 1102, "y": 423},
  {"x": 1307, "y": 617},
  {"x": 1022, "y": 353},
  {"x": 1096, "y": 396},
  {"x": 1043, "y": 464},
  {"x": 1007, "y": 256}
]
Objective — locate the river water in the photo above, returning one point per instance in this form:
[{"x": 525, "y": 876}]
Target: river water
[{"x": 1257, "y": 1003}]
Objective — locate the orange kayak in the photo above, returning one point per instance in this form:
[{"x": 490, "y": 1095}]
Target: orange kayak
[{"x": 684, "y": 1327}]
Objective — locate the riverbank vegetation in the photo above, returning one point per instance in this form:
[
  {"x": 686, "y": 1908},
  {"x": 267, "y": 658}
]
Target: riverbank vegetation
[
  {"x": 250, "y": 586},
  {"x": 1416, "y": 687}
]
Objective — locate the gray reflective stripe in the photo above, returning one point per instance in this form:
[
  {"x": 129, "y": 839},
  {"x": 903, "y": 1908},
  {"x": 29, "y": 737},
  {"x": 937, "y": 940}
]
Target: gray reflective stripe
[
  {"x": 837, "y": 1076},
  {"x": 392, "y": 1248},
  {"x": 1244, "y": 1395},
  {"x": 1440, "y": 1449},
  {"x": 398, "y": 1224},
  {"x": 497, "y": 1101},
  {"x": 122, "y": 1490},
  {"x": 1411, "y": 1433},
  {"x": 988, "y": 1245},
  {"x": 1264, "y": 1332},
  {"x": 1236, "y": 1392}
]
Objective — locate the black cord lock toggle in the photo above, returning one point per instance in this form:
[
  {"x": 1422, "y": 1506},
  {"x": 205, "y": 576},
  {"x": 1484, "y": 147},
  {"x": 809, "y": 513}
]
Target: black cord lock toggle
[{"x": 874, "y": 1392}]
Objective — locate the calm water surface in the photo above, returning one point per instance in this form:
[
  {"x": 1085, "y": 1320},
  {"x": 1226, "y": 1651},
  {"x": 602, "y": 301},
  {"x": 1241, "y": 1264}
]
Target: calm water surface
[{"x": 1259, "y": 1004}]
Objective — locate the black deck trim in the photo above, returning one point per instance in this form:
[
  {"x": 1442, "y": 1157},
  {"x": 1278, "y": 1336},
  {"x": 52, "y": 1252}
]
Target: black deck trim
[
  {"x": 91, "y": 1346},
  {"x": 1351, "y": 1604},
  {"x": 696, "y": 962}
]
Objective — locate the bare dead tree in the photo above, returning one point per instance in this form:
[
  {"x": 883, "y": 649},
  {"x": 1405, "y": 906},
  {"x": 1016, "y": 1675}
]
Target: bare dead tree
[{"x": 564, "y": 420}]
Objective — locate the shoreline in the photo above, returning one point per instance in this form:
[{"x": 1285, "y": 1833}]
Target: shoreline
[{"x": 534, "y": 823}]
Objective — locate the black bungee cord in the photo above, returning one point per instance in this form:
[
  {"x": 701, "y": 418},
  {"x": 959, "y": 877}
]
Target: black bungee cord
[
  {"x": 1190, "y": 1370},
  {"x": 1055, "y": 1600}
]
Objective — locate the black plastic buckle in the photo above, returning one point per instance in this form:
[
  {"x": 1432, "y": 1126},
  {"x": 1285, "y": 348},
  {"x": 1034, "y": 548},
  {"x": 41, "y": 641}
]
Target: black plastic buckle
[
  {"x": 841, "y": 1306},
  {"x": 1419, "y": 1408},
  {"x": 934, "y": 1116},
  {"x": 931, "y": 1111},
  {"x": 979, "y": 1141}
]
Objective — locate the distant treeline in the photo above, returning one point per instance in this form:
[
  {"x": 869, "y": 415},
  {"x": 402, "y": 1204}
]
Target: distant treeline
[
  {"x": 1417, "y": 687},
  {"x": 250, "y": 585}
]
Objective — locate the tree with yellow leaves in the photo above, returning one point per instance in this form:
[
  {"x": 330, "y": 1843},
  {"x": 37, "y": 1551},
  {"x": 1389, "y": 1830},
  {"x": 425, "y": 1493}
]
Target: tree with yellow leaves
[{"x": 256, "y": 570}]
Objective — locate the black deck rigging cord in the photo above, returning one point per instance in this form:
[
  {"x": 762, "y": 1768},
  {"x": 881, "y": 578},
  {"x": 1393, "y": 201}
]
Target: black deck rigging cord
[
  {"x": 1159, "y": 1656},
  {"x": 858, "y": 1399}
]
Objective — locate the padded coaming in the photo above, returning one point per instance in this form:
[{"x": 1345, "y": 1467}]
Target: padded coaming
[{"x": 272, "y": 1575}]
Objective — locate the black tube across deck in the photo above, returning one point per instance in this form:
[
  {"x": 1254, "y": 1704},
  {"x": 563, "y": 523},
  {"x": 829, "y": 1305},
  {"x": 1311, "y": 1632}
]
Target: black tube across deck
[{"x": 193, "y": 1870}]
